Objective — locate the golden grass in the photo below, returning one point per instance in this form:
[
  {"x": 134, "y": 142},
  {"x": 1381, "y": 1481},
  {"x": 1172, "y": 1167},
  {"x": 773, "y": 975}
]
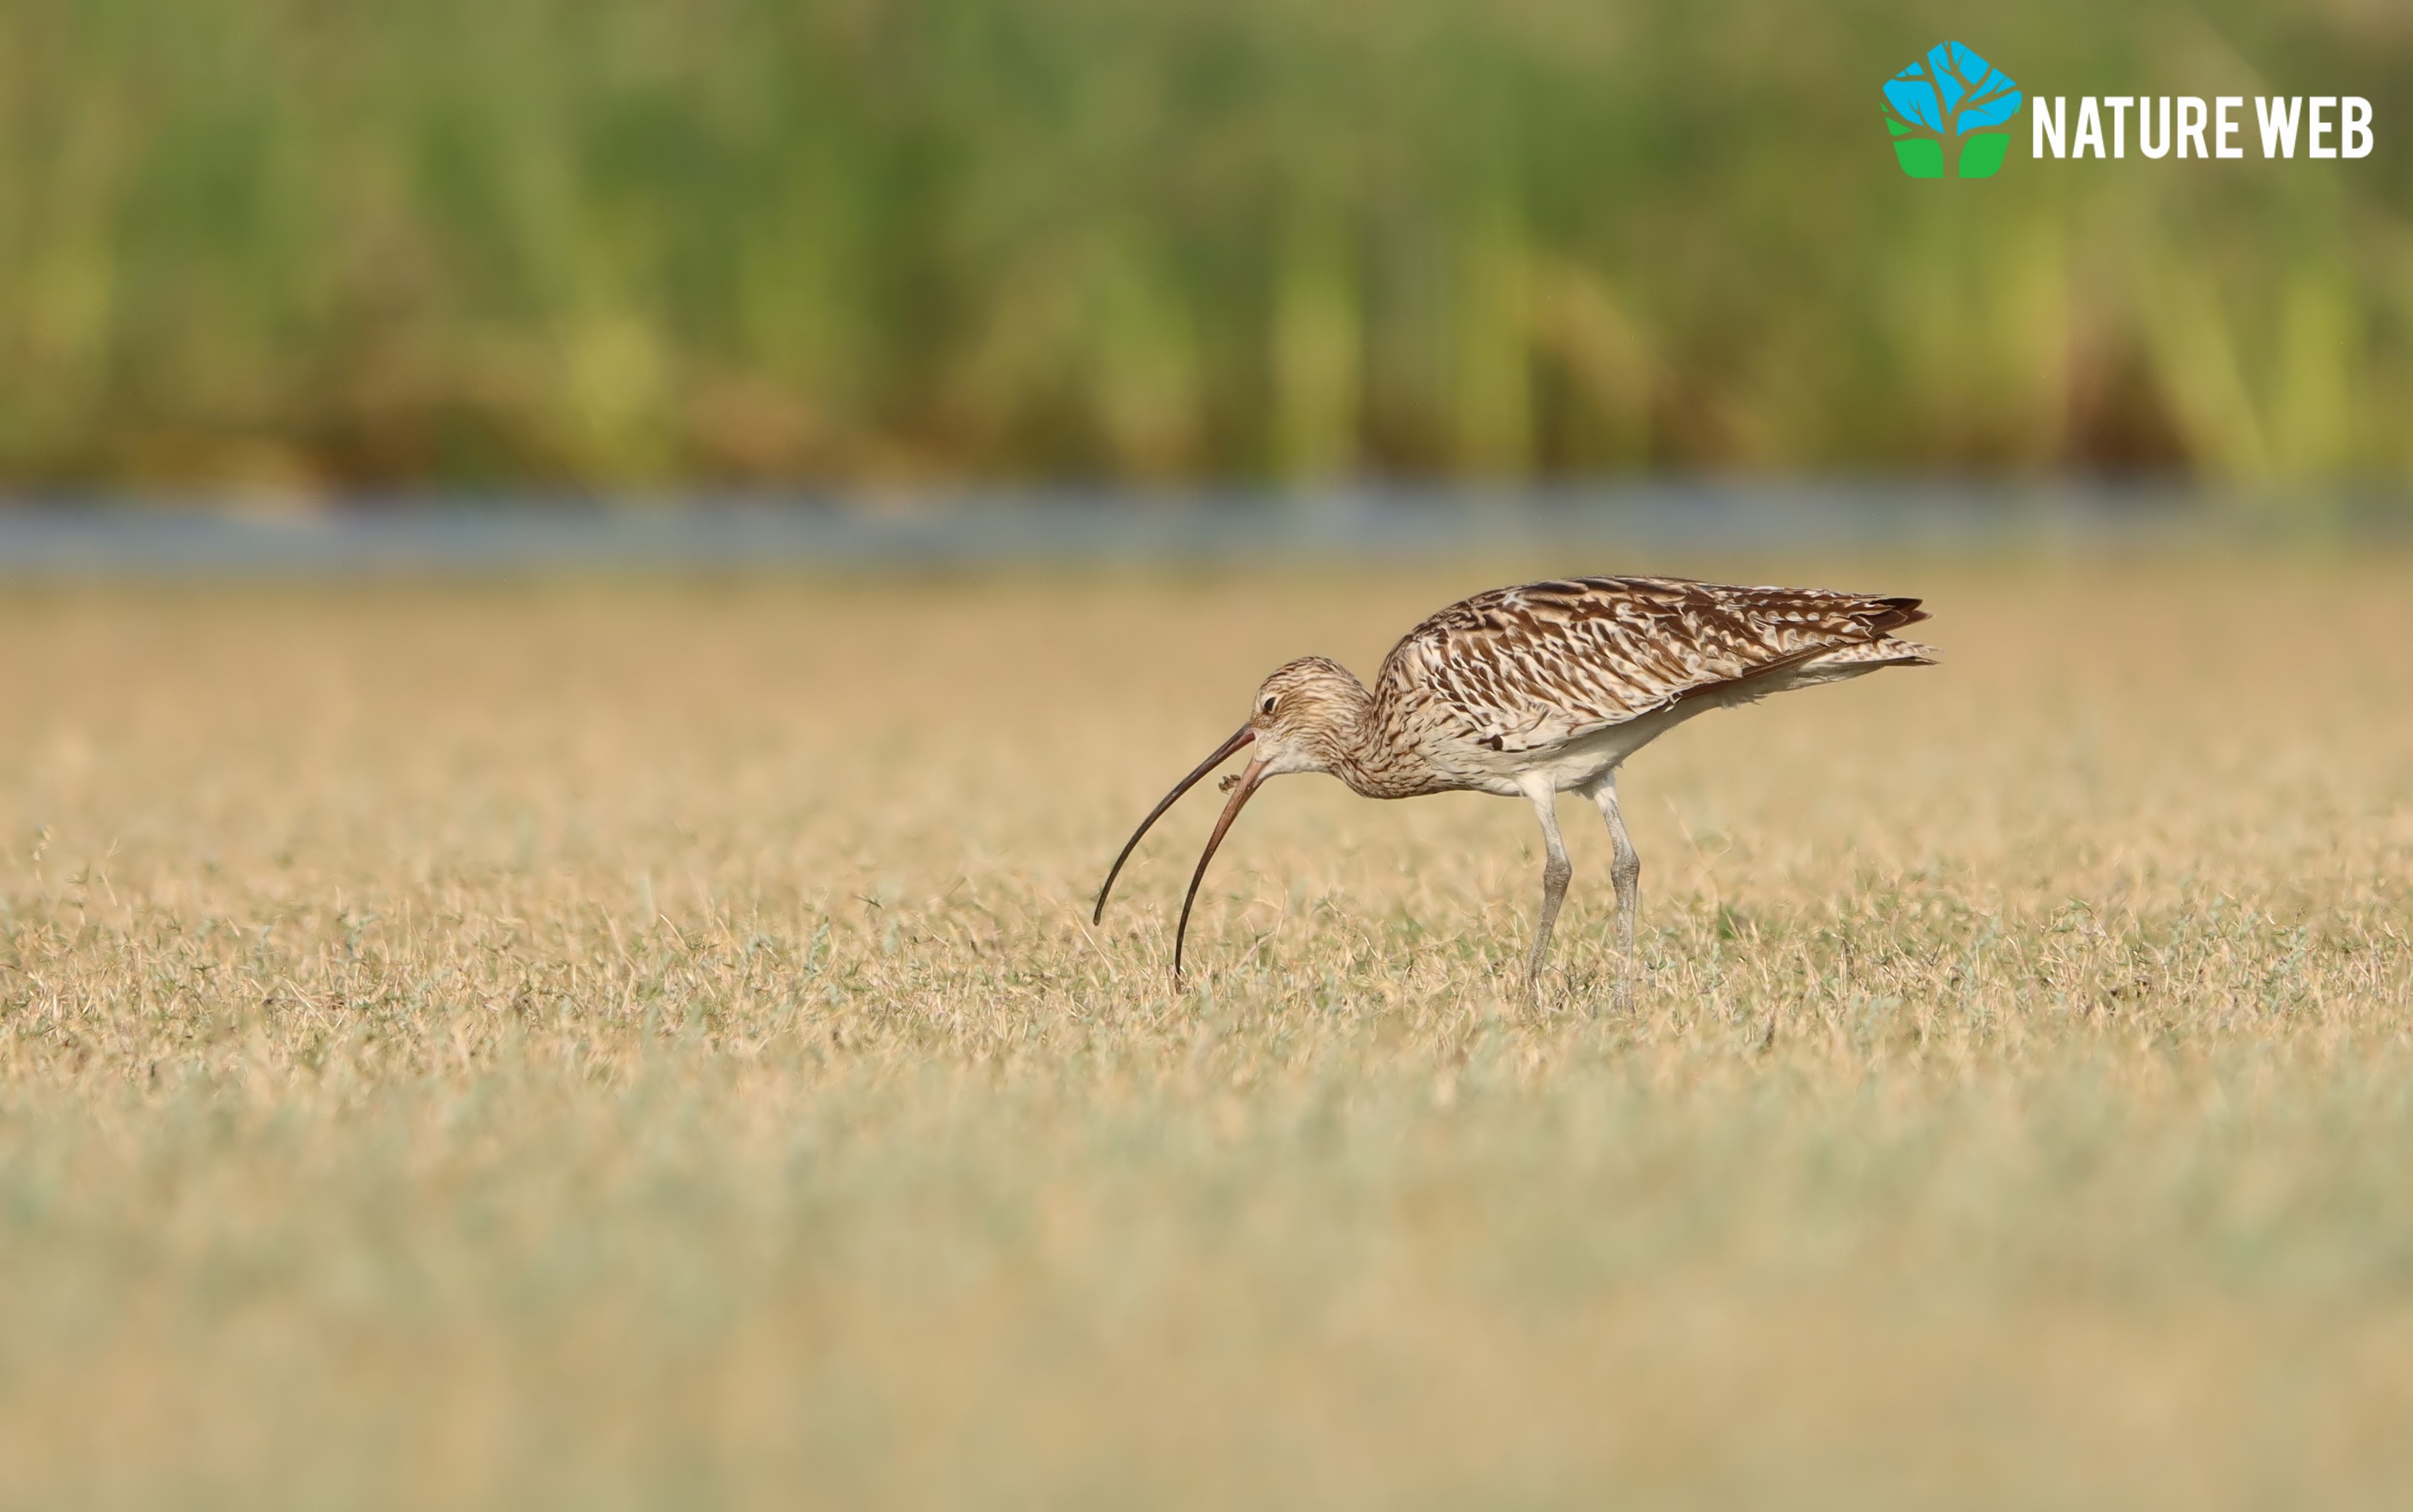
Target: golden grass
[{"x": 637, "y": 1044}]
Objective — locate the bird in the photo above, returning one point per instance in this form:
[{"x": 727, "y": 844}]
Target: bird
[{"x": 1537, "y": 689}]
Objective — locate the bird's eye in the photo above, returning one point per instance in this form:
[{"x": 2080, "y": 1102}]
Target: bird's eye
[{"x": 1267, "y": 707}]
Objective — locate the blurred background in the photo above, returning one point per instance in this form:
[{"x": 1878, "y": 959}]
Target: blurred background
[{"x": 309, "y": 250}]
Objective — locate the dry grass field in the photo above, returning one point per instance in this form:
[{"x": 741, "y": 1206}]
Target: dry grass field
[{"x": 640, "y": 1044}]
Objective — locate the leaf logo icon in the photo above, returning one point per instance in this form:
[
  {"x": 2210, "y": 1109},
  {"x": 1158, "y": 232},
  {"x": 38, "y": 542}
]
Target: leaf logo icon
[{"x": 1947, "y": 114}]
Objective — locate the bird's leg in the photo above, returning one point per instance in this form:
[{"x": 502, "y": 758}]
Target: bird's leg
[
  {"x": 1555, "y": 873},
  {"x": 1625, "y": 869}
]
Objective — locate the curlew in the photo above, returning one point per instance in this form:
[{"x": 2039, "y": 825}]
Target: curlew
[{"x": 1539, "y": 690}]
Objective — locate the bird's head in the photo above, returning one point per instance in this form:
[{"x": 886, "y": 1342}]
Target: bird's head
[{"x": 1303, "y": 717}]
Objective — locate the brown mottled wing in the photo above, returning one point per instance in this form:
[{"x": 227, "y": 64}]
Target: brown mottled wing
[{"x": 1529, "y": 667}]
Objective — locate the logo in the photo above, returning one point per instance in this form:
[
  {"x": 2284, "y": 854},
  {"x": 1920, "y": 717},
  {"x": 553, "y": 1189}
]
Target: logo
[{"x": 1948, "y": 113}]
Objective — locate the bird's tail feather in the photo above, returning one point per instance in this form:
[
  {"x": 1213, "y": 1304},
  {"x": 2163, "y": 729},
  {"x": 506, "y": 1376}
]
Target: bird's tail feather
[
  {"x": 1886, "y": 651},
  {"x": 1896, "y": 612}
]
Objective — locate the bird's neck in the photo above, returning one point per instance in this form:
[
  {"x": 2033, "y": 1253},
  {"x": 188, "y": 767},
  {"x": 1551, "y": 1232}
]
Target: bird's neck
[{"x": 1361, "y": 753}]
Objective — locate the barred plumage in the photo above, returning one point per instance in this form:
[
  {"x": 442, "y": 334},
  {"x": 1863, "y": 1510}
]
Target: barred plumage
[{"x": 1543, "y": 688}]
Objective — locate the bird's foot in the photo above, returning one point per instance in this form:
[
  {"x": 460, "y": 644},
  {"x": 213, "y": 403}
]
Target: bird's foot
[
  {"x": 1629, "y": 971},
  {"x": 1531, "y": 999}
]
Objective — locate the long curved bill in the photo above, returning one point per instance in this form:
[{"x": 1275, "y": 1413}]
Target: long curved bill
[
  {"x": 1254, "y": 775},
  {"x": 1223, "y": 752}
]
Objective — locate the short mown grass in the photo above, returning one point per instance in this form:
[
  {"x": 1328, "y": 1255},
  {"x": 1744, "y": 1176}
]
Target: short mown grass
[{"x": 635, "y": 1043}]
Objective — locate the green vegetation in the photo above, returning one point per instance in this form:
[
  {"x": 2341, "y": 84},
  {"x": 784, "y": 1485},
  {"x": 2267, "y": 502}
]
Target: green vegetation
[
  {"x": 630, "y": 244},
  {"x": 622, "y": 1046}
]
